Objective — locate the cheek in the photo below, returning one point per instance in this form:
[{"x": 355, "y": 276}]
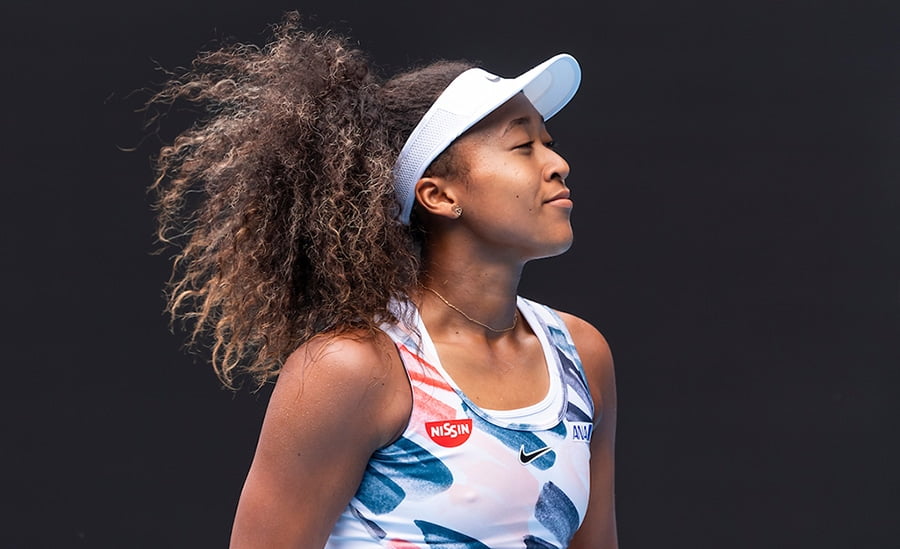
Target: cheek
[
  {"x": 514, "y": 184},
  {"x": 502, "y": 187}
]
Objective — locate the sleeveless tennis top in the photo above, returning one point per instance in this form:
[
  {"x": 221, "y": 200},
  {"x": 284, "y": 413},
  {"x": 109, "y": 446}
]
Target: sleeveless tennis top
[{"x": 462, "y": 477}]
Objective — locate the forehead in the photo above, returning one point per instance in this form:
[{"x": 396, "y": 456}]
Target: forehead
[{"x": 518, "y": 111}]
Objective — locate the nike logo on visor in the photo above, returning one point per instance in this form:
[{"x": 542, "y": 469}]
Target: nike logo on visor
[{"x": 527, "y": 457}]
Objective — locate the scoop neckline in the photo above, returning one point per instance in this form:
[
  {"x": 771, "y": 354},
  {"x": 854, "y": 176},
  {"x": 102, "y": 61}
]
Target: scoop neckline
[{"x": 538, "y": 416}]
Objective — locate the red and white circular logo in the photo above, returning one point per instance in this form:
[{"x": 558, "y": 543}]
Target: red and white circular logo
[{"x": 449, "y": 433}]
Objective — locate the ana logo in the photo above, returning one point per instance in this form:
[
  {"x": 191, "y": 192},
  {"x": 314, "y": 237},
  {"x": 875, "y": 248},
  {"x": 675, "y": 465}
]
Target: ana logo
[
  {"x": 581, "y": 430},
  {"x": 449, "y": 433}
]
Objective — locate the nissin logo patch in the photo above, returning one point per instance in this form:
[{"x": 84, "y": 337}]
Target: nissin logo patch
[
  {"x": 449, "y": 433},
  {"x": 581, "y": 430}
]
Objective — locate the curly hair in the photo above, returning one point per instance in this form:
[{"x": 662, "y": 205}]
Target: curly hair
[{"x": 280, "y": 198}]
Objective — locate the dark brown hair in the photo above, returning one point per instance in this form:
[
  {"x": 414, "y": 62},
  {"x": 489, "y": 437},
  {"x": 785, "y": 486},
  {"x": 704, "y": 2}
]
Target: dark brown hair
[{"x": 280, "y": 198}]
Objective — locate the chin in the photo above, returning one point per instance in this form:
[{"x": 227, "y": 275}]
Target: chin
[
  {"x": 563, "y": 248},
  {"x": 557, "y": 247}
]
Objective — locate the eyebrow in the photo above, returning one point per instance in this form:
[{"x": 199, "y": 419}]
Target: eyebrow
[{"x": 515, "y": 122}]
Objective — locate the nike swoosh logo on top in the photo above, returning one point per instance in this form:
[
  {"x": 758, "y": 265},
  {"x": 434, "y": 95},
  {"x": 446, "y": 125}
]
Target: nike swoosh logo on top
[{"x": 527, "y": 457}]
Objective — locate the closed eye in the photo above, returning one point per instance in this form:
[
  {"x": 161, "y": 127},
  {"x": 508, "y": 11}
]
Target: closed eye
[{"x": 549, "y": 144}]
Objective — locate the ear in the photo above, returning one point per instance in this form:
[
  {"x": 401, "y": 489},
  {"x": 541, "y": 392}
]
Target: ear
[{"x": 436, "y": 196}]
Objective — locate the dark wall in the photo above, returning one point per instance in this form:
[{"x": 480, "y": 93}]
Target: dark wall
[{"x": 735, "y": 170}]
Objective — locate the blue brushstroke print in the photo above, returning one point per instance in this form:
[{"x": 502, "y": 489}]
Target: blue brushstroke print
[
  {"x": 573, "y": 376},
  {"x": 412, "y": 466},
  {"x": 560, "y": 429},
  {"x": 378, "y": 492},
  {"x": 560, "y": 341},
  {"x": 534, "y": 542},
  {"x": 374, "y": 530},
  {"x": 438, "y": 536},
  {"x": 557, "y": 513},
  {"x": 574, "y": 413}
]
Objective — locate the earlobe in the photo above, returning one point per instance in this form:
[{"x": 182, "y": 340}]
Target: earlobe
[{"x": 434, "y": 196}]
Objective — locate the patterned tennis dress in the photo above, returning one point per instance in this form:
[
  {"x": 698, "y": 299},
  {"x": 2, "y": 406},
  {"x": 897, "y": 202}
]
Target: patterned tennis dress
[{"x": 462, "y": 477}]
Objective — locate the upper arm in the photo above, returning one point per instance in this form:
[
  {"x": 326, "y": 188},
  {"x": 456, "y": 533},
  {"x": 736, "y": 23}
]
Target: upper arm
[
  {"x": 336, "y": 401},
  {"x": 598, "y": 530}
]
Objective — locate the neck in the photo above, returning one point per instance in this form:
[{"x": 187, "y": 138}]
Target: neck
[{"x": 470, "y": 296}]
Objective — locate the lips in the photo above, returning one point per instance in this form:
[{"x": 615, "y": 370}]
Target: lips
[{"x": 561, "y": 199}]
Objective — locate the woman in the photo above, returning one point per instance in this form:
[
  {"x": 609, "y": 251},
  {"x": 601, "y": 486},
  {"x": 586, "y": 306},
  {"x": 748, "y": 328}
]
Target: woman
[{"x": 361, "y": 241}]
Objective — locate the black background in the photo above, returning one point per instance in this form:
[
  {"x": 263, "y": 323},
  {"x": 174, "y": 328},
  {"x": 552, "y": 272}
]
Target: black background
[{"x": 735, "y": 172}]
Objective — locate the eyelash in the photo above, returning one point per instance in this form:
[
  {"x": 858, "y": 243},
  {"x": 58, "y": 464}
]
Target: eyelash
[{"x": 549, "y": 144}]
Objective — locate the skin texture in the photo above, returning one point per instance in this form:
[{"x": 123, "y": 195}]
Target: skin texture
[{"x": 515, "y": 209}]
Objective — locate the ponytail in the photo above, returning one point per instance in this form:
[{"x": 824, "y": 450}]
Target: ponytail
[{"x": 280, "y": 199}]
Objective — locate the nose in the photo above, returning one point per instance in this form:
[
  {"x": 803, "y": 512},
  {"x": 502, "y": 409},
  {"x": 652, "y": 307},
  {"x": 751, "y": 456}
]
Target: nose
[{"x": 556, "y": 167}]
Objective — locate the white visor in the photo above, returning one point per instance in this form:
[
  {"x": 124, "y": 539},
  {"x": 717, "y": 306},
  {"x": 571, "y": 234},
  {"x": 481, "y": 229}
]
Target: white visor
[{"x": 471, "y": 96}]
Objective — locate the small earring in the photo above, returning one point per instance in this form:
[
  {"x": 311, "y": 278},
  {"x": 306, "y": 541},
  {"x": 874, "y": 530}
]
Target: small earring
[{"x": 457, "y": 209}]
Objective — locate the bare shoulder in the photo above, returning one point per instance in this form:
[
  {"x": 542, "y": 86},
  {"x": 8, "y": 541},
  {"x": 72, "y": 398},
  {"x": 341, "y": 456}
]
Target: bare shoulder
[
  {"x": 362, "y": 369},
  {"x": 349, "y": 356}
]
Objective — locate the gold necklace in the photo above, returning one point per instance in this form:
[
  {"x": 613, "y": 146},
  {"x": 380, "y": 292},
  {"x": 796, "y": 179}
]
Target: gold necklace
[{"x": 469, "y": 318}]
